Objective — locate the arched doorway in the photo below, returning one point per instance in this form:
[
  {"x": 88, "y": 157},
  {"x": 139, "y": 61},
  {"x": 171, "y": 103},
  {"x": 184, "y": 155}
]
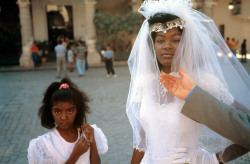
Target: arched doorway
[{"x": 60, "y": 25}]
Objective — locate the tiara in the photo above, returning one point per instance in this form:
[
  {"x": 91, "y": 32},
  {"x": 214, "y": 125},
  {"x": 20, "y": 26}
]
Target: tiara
[
  {"x": 64, "y": 86},
  {"x": 163, "y": 27},
  {"x": 187, "y": 2}
]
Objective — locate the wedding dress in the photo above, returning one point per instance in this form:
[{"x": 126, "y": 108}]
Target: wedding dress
[
  {"x": 51, "y": 148},
  {"x": 170, "y": 123}
]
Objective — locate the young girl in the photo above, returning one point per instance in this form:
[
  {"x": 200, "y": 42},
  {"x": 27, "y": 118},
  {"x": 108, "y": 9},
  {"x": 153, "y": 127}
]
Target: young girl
[{"x": 64, "y": 108}]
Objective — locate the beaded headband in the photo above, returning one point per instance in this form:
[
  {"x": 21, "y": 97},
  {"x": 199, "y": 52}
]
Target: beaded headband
[
  {"x": 64, "y": 86},
  {"x": 163, "y": 27}
]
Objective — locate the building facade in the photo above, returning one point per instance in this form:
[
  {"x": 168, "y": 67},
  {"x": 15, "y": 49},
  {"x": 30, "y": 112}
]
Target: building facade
[
  {"x": 76, "y": 15},
  {"x": 232, "y": 21},
  {"x": 40, "y": 19}
]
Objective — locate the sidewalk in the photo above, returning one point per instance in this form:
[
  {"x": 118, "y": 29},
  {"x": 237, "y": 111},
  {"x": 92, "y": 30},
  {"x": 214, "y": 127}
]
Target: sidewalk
[{"x": 52, "y": 66}]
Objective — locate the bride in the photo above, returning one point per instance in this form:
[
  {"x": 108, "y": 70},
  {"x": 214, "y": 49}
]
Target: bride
[{"x": 175, "y": 36}]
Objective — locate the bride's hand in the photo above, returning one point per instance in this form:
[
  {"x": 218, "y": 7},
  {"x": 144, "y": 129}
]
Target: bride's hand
[{"x": 181, "y": 156}]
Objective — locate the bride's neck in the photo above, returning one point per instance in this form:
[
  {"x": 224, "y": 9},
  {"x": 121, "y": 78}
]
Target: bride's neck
[{"x": 166, "y": 70}]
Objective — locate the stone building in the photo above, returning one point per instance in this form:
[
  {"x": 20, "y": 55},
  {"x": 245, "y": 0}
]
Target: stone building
[
  {"x": 41, "y": 18},
  {"x": 75, "y": 16},
  {"x": 232, "y": 17}
]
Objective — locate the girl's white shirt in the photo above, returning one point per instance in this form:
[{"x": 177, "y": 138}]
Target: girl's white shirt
[{"x": 51, "y": 148}]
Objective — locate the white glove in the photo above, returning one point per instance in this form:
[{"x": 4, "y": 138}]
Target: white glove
[{"x": 181, "y": 155}]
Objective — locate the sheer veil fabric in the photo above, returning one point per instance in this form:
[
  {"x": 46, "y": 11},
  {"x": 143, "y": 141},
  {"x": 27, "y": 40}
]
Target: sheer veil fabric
[{"x": 158, "y": 126}]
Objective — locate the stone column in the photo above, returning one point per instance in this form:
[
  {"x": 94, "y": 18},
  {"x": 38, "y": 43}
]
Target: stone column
[
  {"x": 90, "y": 31},
  {"x": 39, "y": 20},
  {"x": 26, "y": 33}
]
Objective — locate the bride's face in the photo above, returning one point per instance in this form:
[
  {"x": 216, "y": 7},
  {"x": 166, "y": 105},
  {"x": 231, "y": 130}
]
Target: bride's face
[{"x": 165, "y": 45}]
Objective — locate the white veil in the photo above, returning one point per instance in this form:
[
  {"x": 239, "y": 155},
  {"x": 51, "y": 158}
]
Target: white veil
[{"x": 202, "y": 53}]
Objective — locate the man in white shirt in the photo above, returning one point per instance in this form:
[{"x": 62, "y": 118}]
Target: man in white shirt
[{"x": 60, "y": 59}]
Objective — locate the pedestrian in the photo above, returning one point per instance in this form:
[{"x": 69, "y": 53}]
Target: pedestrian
[
  {"x": 60, "y": 59},
  {"x": 109, "y": 59},
  {"x": 71, "y": 139},
  {"x": 86, "y": 56},
  {"x": 234, "y": 46},
  {"x": 244, "y": 51},
  {"x": 70, "y": 56},
  {"x": 229, "y": 43},
  {"x": 34, "y": 54},
  {"x": 80, "y": 61},
  {"x": 64, "y": 43}
]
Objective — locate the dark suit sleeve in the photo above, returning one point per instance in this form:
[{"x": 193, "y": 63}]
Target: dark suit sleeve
[{"x": 221, "y": 118}]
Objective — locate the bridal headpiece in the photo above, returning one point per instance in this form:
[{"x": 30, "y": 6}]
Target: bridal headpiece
[
  {"x": 163, "y": 27},
  {"x": 176, "y": 7}
]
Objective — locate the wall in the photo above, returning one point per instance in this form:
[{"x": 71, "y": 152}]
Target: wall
[{"x": 237, "y": 26}]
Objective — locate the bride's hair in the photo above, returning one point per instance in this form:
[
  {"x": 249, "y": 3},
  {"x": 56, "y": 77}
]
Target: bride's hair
[{"x": 161, "y": 18}]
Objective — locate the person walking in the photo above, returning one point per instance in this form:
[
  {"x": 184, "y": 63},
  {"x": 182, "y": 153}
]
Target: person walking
[
  {"x": 228, "y": 43},
  {"x": 244, "y": 51},
  {"x": 70, "y": 57},
  {"x": 109, "y": 58},
  {"x": 60, "y": 59},
  {"x": 86, "y": 56},
  {"x": 80, "y": 55},
  {"x": 234, "y": 46}
]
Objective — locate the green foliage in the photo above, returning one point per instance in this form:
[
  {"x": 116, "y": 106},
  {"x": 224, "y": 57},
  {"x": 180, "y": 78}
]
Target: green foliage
[{"x": 108, "y": 26}]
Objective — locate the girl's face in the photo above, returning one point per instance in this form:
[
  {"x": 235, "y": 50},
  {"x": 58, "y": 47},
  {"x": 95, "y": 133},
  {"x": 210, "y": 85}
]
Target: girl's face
[
  {"x": 165, "y": 46},
  {"x": 64, "y": 114}
]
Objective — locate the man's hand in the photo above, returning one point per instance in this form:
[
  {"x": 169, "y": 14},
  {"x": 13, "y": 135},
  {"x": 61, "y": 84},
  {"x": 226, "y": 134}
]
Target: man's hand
[{"x": 179, "y": 87}]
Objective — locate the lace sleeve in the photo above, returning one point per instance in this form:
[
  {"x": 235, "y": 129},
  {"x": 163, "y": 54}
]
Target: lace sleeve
[
  {"x": 215, "y": 87},
  {"x": 101, "y": 140},
  {"x": 38, "y": 153}
]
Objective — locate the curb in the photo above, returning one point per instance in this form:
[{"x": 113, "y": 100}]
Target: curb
[{"x": 52, "y": 66}]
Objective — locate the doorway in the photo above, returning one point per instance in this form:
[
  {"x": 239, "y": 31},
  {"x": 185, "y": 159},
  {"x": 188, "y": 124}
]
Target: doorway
[{"x": 60, "y": 25}]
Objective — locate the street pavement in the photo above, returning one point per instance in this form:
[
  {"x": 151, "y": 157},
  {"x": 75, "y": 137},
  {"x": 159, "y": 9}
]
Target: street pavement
[
  {"x": 21, "y": 95},
  {"x": 21, "y": 92}
]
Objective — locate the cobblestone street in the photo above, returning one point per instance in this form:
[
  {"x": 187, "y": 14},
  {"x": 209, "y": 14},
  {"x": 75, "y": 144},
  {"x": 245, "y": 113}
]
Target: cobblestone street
[{"x": 21, "y": 95}]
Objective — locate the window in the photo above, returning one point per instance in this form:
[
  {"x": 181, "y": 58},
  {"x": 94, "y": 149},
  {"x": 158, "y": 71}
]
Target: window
[{"x": 237, "y": 7}]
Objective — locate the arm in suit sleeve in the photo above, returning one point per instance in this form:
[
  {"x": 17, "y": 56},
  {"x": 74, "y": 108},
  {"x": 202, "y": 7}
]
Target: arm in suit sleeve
[{"x": 221, "y": 118}]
